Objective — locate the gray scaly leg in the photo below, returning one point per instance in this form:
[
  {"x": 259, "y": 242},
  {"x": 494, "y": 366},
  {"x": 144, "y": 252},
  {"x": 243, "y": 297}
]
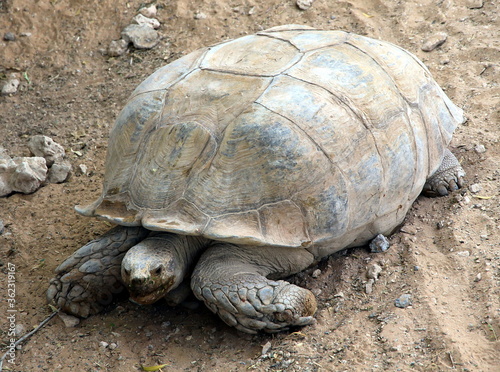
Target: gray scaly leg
[
  {"x": 232, "y": 281},
  {"x": 88, "y": 280},
  {"x": 449, "y": 177}
]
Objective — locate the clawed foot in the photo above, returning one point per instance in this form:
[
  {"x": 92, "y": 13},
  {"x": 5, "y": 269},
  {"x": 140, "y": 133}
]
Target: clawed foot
[
  {"x": 449, "y": 177},
  {"x": 253, "y": 304},
  {"x": 87, "y": 281}
]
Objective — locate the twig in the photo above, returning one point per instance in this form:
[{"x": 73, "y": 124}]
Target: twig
[
  {"x": 451, "y": 359},
  {"x": 26, "y": 336}
]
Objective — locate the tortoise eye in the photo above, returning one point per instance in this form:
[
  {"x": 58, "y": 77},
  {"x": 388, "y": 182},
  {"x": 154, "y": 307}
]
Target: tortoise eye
[{"x": 158, "y": 271}]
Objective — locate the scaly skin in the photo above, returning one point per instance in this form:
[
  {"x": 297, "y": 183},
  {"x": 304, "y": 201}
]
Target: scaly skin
[
  {"x": 232, "y": 282},
  {"x": 449, "y": 177},
  {"x": 88, "y": 280}
]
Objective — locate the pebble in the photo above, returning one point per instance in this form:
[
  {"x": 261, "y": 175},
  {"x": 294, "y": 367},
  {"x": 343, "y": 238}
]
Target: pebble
[
  {"x": 373, "y": 271},
  {"x": 434, "y": 41},
  {"x": 9, "y": 36},
  {"x": 59, "y": 172},
  {"x": 2, "y": 227},
  {"x": 478, "y": 277},
  {"x": 403, "y": 301},
  {"x": 142, "y": 20},
  {"x": 68, "y": 320},
  {"x": 304, "y": 4},
  {"x": 149, "y": 11},
  {"x": 379, "y": 244},
  {"x": 200, "y": 15},
  {"x": 369, "y": 286},
  {"x": 103, "y": 344},
  {"x": 474, "y": 4},
  {"x": 47, "y": 148},
  {"x": 480, "y": 149},
  {"x": 316, "y": 273},
  {"x": 112, "y": 346},
  {"x": 10, "y": 86},
  {"x": 82, "y": 169},
  {"x": 266, "y": 348},
  {"x": 142, "y": 36},
  {"x": 117, "y": 48},
  {"x": 475, "y": 188},
  {"x": 463, "y": 253}
]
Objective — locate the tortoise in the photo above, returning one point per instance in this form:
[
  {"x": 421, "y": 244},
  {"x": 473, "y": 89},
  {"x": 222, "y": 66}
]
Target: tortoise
[{"x": 243, "y": 163}]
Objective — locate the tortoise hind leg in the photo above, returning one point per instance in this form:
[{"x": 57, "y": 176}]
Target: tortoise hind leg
[
  {"x": 88, "y": 280},
  {"x": 449, "y": 177},
  {"x": 232, "y": 281}
]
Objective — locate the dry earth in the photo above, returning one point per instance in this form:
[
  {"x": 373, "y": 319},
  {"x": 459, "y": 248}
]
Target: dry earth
[{"x": 446, "y": 256}]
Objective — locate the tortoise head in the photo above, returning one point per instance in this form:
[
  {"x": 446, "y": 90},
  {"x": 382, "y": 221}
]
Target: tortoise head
[{"x": 150, "y": 270}]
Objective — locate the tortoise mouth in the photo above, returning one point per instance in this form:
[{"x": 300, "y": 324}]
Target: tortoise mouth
[{"x": 151, "y": 296}]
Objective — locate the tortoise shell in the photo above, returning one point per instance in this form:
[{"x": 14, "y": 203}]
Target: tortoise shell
[{"x": 292, "y": 137}]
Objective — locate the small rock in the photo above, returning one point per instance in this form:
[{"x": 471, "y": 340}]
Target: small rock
[
  {"x": 9, "y": 36},
  {"x": 339, "y": 295},
  {"x": 480, "y": 149},
  {"x": 474, "y": 4},
  {"x": 403, "y": 301},
  {"x": 29, "y": 174},
  {"x": 46, "y": 147},
  {"x": 142, "y": 36},
  {"x": 142, "y": 20},
  {"x": 103, "y": 344},
  {"x": 316, "y": 273},
  {"x": 59, "y": 172},
  {"x": 369, "y": 286},
  {"x": 2, "y": 227},
  {"x": 117, "y": 48},
  {"x": 10, "y": 86},
  {"x": 82, "y": 169},
  {"x": 200, "y": 15},
  {"x": 149, "y": 11},
  {"x": 475, "y": 188},
  {"x": 304, "y": 4},
  {"x": 68, "y": 320},
  {"x": 478, "y": 277},
  {"x": 266, "y": 348},
  {"x": 112, "y": 346},
  {"x": 463, "y": 253},
  {"x": 379, "y": 244},
  {"x": 25, "y": 34},
  {"x": 373, "y": 271},
  {"x": 416, "y": 268},
  {"x": 434, "y": 41}
]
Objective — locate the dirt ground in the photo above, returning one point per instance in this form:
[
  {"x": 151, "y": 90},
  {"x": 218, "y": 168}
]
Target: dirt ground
[{"x": 446, "y": 256}]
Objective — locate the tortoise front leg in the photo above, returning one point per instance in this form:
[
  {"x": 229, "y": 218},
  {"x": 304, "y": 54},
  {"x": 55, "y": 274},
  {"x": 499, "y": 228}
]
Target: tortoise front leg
[
  {"x": 232, "y": 281},
  {"x": 88, "y": 280}
]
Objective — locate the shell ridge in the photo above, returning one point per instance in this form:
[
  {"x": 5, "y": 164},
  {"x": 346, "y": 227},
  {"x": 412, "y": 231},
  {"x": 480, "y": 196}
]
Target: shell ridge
[{"x": 281, "y": 39}]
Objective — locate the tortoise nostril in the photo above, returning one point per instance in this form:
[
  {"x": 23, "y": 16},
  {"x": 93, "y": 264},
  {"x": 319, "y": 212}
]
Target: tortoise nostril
[
  {"x": 137, "y": 281},
  {"x": 127, "y": 272},
  {"x": 158, "y": 270}
]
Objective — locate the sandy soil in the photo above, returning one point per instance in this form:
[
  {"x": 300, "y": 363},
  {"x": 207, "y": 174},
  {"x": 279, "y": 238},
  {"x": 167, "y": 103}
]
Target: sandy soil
[{"x": 446, "y": 256}]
